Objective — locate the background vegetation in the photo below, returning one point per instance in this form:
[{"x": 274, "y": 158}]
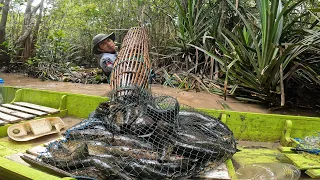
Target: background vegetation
[{"x": 255, "y": 50}]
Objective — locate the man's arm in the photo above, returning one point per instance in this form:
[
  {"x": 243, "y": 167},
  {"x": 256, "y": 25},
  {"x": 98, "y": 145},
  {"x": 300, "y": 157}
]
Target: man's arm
[{"x": 106, "y": 64}]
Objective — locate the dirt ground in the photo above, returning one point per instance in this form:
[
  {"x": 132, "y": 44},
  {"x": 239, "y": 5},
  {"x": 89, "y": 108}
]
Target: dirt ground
[{"x": 191, "y": 98}]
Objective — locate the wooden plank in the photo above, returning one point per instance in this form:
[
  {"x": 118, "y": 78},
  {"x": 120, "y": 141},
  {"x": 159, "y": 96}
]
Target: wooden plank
[
  {"x": 9, "y": 118},
  {"x": 37, "y": 107},
  {"x": 2, "y": 123},
  {"x": 303, "y": 162},
  {"x": 314, "y": 173},
  {"x": 285, "y": 149},
  {"x": 16, "y": 113},
  {"x": 27, "y": 110}
]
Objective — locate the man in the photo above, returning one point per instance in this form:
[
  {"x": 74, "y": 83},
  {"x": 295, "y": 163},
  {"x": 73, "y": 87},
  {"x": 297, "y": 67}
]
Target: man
[{"x": 103, "y": 44}]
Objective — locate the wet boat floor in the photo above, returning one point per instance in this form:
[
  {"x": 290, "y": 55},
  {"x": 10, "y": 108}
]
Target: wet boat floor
[
  {"x": 18, "y": 147},
  {"x": 260, "y": 152},
  {"x": 251, "y": 152}
]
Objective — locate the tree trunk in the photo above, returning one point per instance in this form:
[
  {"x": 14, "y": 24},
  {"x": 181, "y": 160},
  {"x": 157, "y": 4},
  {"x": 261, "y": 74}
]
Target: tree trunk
[
  {"x": 4, "y": 57},
  {"x": 3, "y": 22},
  {"x": 25, "y": 40},
  {"x": 36, "y": 28},
  {"x": 1, "y": 2},
  {"x": 27, "y": 16}
]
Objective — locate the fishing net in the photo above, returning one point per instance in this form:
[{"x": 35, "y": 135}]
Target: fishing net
[
  {"x": 309, "y": 144},
  {"x": 137, "y": 135},
  {"x": 142, "y": 136}
]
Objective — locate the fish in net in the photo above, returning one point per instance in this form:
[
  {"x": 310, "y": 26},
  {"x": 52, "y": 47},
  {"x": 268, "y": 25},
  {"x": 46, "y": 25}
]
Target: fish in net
[{"x": 142, "y": 136}]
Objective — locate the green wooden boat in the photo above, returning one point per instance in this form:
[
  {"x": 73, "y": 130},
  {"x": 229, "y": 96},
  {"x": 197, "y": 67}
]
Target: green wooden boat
[{"x": 263, "y": 138}]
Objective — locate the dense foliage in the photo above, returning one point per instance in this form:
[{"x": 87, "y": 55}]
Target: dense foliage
[{"x": 256, "y": 50}]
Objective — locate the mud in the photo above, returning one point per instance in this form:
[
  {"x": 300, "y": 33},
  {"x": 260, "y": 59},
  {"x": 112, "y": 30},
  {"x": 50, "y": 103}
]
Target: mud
[{"x": 191, "y": 98}]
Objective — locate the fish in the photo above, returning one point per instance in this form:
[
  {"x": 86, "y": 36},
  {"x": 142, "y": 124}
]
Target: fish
[
  {"x": 143, "y": 125},
  {"x": 203, "y": 131},
  {"x": 103, "y": 128},
  {"x": 66, "y": 164},
  {"x": 181, "y": 165},
  {"x": 121, "y": 151},
  {"x": 69, "y": 151},
  {"x": 112, "y": 171},
  {"x": 87, "y": 134},
  {"x": 103, "y": 109},
  {"x": 195, "y": 152},
  {"x": 100, "y": 148},
  {"x": 88, "y": 173},
  {"x": 147, "y": 171},
  {"x": 97, "y": 148},
  {"x": 158, "y": 114},
  {"x": 125, "y": 140},
  {"x": 193, "y": 118}
]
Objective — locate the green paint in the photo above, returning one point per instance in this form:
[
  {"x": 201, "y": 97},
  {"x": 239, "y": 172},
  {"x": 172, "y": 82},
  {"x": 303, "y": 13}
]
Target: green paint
[
  {"x": 285, "y": 136},
  {"x": 231, "y": 170},
  {"x": 13, "y": 147},
  {"x": 9, "y": 93},
  {"x": 314, "y": 173},
  {"x": 41, "y": 97},
  {"x": 285, "y": 149},
  {"x": 4, "y": 151},
  {"x": 303, "y": 162},
  {"x": 250, "y": 156},
  {"x": 266, "y": 127},
  {"x": 81, "y": 106},
  {"x": 224, "y": 118},
  {"x": 245, "y": 126},
  {"x": 3, "y": 130},
  {"x": 63, "y": 103},
  {"x": 11, "y": 170}
]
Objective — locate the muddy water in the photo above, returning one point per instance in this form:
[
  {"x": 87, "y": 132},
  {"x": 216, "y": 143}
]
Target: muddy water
[{"x": 191, "y": 98}]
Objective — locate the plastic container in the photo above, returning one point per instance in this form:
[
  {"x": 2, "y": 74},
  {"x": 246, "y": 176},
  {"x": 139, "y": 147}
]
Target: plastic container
[
  {"x": 268, "y": 171},
  {"x": 1, "y": 84}
]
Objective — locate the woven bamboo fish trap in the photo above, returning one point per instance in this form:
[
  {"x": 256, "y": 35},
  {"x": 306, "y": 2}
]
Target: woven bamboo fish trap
[{"x": 132, "y": 66}]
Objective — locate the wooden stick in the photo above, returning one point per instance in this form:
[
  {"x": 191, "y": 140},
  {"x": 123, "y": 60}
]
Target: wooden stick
[{"x": 282, "y": 86}]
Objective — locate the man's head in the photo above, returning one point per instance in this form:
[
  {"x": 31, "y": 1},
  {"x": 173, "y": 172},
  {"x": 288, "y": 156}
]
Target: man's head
[{"x": 103, "y": 43}]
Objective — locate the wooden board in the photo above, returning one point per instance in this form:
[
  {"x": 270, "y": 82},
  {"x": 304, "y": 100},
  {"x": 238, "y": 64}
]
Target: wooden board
[
  {"x": 314, "y": 173},
  {"x": 16, "y": 113},
  {"x": 37, "y": 107},
  {"x": 302, "y": 162},
  {"x": 27, "y": 110},
  {"x": 285, "y": 149},
  {"x": 2, "y": 123},
  {"x": 9, "y": 118}
]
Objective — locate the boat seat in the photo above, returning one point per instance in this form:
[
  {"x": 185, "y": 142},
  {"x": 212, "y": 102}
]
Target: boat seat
[
  {"x": 19, "y": 111},
  {"x": 30, "y": 104}
]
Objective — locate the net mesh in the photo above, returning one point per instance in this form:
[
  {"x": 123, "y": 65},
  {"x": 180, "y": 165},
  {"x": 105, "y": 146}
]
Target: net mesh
[
  {"x": 138, "y": 135},
  {"x": 142, "y": 136},
  {"x": 309, "y": 144}
]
